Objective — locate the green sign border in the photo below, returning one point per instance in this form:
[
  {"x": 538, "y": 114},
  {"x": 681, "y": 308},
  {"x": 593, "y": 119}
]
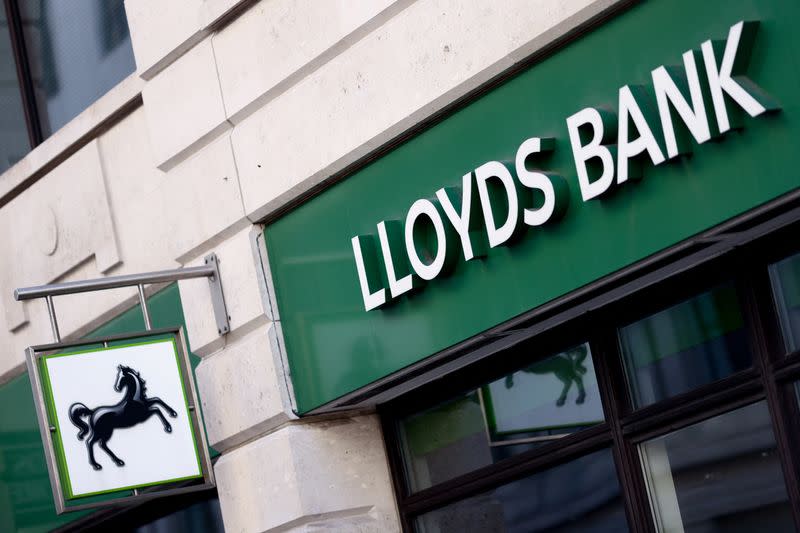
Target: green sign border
[
  {"x": 334, "y": 347},
  {"x": 61, "y": 462}
]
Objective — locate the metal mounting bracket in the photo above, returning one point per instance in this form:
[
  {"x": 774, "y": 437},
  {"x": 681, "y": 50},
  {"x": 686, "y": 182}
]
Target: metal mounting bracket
[
  {"x": 210, "y": 270},
  {"x": 217, "y": 296}
]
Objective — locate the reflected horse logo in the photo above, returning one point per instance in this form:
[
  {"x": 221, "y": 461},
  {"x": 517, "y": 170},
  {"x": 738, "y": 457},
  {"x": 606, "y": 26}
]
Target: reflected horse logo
[
  {"x": 568, "y": 368},
  {"x": 134, "y": 409}
]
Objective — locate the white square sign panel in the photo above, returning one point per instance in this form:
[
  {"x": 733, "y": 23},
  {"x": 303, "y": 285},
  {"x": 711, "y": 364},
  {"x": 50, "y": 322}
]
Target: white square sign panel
[{"x": 122, "y": 418}]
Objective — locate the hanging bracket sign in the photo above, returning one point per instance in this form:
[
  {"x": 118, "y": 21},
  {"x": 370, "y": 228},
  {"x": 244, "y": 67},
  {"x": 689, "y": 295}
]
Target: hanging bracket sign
[
  {"x": 136, "y": 389},
  {"x": 119, "y": 419}
]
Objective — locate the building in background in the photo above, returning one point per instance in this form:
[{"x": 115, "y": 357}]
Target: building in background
[{"x": 490, "y": 266}]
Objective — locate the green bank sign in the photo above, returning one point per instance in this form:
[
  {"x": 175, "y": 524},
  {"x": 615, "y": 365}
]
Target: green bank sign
[
  {"x": 652, "y": 128},
  {"x": 616, "y": 144}
]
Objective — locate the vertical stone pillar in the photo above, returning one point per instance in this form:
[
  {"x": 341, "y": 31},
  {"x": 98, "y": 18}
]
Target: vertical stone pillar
[{"x": 277, "y": 472}]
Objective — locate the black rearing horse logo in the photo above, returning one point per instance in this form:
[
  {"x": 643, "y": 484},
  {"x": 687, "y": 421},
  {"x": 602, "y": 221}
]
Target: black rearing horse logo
[{"x": 134, "y": 409}]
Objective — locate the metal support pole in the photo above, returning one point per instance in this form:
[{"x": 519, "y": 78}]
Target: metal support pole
[
  {"x": 51, "y": 310},
  {"x": 145, "y": 313},
  {"x": 115, "y": 282},
  {"x": 209, "y": 270}
]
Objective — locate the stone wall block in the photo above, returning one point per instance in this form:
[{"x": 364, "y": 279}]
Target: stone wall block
[
  {"x": 57, "y": 224},
  {"x": 238, "y": 271},
  {"x": 214, "y": 11},
  {"x": 183, "y": 105},
  {"x": 427, "y": 55},
  {"x": 309, "y": 476},
  {"x": 285, "y": 39},
  {"x": 162, "y": 31},
  {"x": 240, "y": 391},
  {"x": 201, "y": 200},
  {"x": 133, "y": 180}
]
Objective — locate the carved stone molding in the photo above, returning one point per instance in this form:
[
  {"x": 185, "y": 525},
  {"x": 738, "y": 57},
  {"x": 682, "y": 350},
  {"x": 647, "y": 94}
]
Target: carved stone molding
[{"x": 57, "y": 224}]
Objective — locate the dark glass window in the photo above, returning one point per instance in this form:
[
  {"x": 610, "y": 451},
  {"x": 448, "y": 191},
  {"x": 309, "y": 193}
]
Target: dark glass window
[
  {"x": 786, "y": 287},
  {"x": 14, "y": 142},
  {"x": 723, "y": 474},
  {"x": 582, "y": 495},
  {"x": 725, "y": 460},
  {"x": 690, "y": 344},
  {"x": 537, "y": 404},
  {"x": 204, "y": 515},
  {"x": 77, "y": 51}
]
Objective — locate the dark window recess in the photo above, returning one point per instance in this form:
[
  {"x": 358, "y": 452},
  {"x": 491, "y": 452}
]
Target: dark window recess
[
  {"x": 14, "y": 143},
  {"x": 74, "y": 60},
  {"x": 187, "y": 513},
  {"x": 580, "y": 496},
  {"x": 520, "y": 411},
  {"x": 722, "y": 474},
  {"x": 686, "y": 417},
  {"x": 200, "y": 516},
  {"x": 56, "y": 59},
  {"x": 690, "y": 344},
  {"x": 112, "y": 25},
  {"x": 785, "y": 276}
]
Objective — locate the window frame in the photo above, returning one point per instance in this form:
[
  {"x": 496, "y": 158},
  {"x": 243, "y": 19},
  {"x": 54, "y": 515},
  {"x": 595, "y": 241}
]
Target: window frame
[
  {"x": 24, "y": 75},
  {"x": 25, "y": 81},
  {"x": 770, "y": 377}
]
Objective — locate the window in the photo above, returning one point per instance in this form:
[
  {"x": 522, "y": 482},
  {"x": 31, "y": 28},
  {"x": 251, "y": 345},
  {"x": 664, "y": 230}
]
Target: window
[
  {"x": 694, "y": 342},
  {"x": 677, "y": 409},
  {"x": 199, "y": 511},
  {"x": 691, "y": 474},
  {"x": 539, "y": 403},
  {"x": 57, "y": 58},
  {"x": 785, "y": 276},
  {"x": 14, "y": 142},
  {"x": 582, "y": 495}
]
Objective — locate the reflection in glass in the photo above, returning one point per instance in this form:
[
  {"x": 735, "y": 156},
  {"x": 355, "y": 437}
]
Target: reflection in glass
[
  {"x": 540, "y": 403},
  {"x": 786, "y": 286},
  {"x": 722, "y": 474},
  {"x": 77, "y": 52},
  {"x": 690, "y": 344},
  {"x": 13, "y": 129},
  {"x": 580, "y": 496}
]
